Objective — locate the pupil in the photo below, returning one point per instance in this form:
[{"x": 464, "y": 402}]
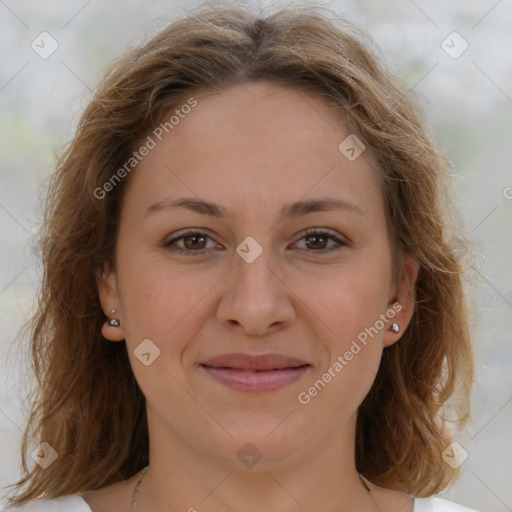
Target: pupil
[
  {"x": 316, "y": 238},
  {"x": 194, "y": 238}
]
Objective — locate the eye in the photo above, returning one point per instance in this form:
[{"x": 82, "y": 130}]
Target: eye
[
  {"x": 194, "y": 243},
  {"x": 317, "y": 240}
]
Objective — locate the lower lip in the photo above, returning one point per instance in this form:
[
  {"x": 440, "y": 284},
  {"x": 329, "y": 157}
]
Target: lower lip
[{"x": 249, "y": 380}]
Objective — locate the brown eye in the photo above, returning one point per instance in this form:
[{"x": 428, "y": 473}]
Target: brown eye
[
  {"x": 191, "y": 243},
  {"x": 317, "y": 241},
  {"x": 194, "y": 241}
]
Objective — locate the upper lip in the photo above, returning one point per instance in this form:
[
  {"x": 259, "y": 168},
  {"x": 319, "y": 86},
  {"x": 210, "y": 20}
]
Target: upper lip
[{"x": 242, "y": 361}]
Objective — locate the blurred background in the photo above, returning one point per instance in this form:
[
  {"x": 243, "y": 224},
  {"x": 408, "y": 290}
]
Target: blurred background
[{"x": 454, "y": 55}]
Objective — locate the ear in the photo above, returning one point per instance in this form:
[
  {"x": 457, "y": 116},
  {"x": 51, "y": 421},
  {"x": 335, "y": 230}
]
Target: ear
[
  {"x": 109, "y": 299},
  {"x": 402, "y": 303}
]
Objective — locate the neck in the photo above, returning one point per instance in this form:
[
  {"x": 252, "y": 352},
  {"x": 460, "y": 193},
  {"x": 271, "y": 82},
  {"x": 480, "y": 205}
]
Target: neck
[{"x": 195, "y": 478}]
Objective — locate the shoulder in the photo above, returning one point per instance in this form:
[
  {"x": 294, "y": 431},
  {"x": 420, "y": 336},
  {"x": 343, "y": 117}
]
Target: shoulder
[
  {"x": 438, "y": 505},
  {"x": 70, "y": 503}
]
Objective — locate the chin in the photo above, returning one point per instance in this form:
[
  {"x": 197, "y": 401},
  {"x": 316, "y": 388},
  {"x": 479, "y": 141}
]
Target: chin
[{"x": 263, "y": 442}]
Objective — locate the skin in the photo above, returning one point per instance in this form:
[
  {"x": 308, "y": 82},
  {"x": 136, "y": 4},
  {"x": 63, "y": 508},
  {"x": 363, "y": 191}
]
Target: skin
[{"x": 252, "y": 149}]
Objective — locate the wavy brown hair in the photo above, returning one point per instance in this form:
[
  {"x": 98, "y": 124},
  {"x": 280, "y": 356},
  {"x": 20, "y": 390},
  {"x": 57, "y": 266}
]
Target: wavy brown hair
[{"x": 87, "y": 404}]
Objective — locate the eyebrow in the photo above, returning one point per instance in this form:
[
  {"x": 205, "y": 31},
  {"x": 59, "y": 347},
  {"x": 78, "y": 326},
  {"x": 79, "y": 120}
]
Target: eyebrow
[{"x": 295, "y": 209}]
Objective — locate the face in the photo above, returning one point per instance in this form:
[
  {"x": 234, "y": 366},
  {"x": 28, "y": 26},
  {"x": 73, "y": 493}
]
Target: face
[{"x": 281, "y": 250}]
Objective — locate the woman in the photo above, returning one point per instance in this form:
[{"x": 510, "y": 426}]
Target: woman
[{"x": 250, "y": 300}]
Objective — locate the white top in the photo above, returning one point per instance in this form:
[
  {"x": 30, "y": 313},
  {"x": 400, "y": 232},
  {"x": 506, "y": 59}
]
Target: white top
[{"x": 74, "y": 503}]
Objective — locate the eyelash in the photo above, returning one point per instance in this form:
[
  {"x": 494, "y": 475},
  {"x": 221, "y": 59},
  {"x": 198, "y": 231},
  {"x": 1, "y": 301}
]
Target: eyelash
[{"x": 309, "y": 232}]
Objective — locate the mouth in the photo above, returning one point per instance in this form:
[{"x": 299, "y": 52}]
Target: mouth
[{"x": 262, "y": 373}]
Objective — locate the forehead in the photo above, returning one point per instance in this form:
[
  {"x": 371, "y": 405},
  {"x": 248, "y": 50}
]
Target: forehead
[
  {"x": 266, "y": 116},
  {"x": 257, "y": 139}
]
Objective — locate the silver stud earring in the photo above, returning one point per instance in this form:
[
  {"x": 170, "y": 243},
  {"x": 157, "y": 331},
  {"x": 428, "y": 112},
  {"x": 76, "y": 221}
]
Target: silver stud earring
[
  {"x": 394, "y": 328},
  {"x": 114, "y": 322}
]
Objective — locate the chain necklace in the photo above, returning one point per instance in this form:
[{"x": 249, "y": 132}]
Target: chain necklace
[
  {"x": 143, "y": 473},
  {"x": 136, "y": 488}
]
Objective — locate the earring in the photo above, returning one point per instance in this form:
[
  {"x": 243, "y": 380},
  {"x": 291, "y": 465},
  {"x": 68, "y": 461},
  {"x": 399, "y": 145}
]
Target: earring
[
  {"x": 114, "y": 322},
  {"x": 394, "y": 328}
]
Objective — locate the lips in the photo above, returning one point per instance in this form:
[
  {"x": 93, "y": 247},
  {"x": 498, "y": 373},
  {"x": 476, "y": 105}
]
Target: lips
[
  {"x": 244, "y": 372},
  {"x": 263, "y": 362}
]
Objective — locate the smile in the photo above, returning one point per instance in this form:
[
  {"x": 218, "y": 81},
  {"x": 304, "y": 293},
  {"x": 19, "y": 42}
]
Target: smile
[{"x": 256, "y": 380}]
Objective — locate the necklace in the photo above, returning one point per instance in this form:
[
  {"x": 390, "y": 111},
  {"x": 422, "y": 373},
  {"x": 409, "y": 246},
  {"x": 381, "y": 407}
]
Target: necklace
[
  {"x": 363, "y": 481},
  {"x": 143, "y": 473},
  {"x": 136, "y": 488}
]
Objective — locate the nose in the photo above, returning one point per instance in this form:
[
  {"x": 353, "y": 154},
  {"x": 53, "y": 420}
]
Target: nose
[{"x": 256, "y": 298}]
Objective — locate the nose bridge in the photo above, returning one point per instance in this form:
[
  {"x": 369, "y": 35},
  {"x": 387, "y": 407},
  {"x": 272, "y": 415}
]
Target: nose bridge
[
  {"x": 254, "y": 277},
  {"x": 255, "y": 297}
]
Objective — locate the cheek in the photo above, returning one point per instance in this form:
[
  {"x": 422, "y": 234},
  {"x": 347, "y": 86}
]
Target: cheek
[
  {"x": 165, "y": 306},
  {"x": 157, "y": 298},
  {"x": 349, "y": 298},
  {"x": 348, "y": 304},
  {"x": 154, "y": 297},
  {"x": 351, "y": 359}
]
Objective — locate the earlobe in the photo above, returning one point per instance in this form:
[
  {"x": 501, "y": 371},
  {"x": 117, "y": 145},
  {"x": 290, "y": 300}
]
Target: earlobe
[
  {"x": 404, "y": 296},
  {"x": 112, "y": 331},
  {"x": 109, "y": 299}
]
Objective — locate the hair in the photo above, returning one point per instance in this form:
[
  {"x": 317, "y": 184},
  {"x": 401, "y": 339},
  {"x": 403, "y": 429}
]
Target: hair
[{"x": 87, "y": 404}]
